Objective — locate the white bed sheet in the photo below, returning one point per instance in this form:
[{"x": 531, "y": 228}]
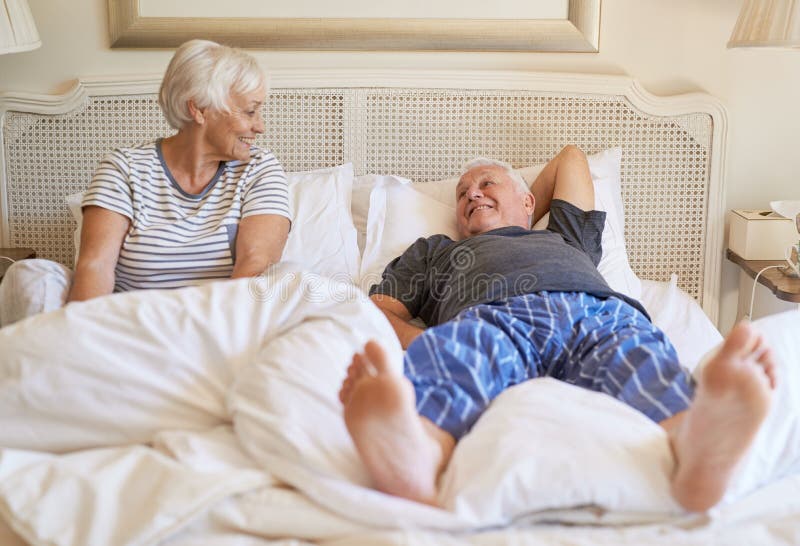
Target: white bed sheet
[
  {"x": 770, "y": 516},
  {"x": 205, "y": 488}
]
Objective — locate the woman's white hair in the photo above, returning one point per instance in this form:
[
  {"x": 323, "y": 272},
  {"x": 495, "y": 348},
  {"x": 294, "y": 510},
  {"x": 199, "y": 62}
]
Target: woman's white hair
[
  {"x": 207, "y": 73},
  {"x": 522, "y": 186}
]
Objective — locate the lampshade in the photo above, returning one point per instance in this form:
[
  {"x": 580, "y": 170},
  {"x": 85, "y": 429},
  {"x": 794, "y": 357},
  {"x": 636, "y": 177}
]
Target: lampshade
[
  {"x": 767, "y": 23},
  {"x": 17, "y": 29}
]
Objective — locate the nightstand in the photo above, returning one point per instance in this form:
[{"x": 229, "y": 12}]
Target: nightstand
[
  {"x": 15, "y": 254},
  {"x": 784, "y": 288}
]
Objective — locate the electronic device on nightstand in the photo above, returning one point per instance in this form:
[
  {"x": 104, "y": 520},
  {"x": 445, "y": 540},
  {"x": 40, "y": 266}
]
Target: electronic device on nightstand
[
  {"x": 793, "y": 259},
  {"x": 790, "y": 210},
  {"x": 765, "y": 244}
]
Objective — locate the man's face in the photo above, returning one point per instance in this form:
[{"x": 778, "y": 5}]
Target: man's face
[{"x": 487, "y": 198}]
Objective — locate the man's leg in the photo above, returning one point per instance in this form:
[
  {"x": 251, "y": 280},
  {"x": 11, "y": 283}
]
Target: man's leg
[
  {"x": 616, "y": 350},
  {"x": 403, "y": 452},
  {"x": 731, "y": 401},
  {"x": 711, "y": 425},
  {"x": 405, "y": 428}
]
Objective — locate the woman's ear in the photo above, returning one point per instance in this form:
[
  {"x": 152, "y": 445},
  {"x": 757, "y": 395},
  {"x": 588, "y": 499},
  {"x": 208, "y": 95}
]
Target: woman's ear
[{"x": 197, "y": 114}]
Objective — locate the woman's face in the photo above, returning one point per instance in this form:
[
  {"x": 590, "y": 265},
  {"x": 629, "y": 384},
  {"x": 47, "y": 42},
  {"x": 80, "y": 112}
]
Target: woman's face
[{"x": 230, "y": 134}]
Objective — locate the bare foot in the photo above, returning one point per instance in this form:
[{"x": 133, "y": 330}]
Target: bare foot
[
  {"x": 403, "y": 452},
  {"x": 732, "y": 400}
]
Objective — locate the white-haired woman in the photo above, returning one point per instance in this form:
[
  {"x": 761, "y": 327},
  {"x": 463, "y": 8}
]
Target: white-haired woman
[{"x": 202, "y": 204}]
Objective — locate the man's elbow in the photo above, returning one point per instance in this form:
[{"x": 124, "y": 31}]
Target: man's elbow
[
  {"x": 95, "y": 266},
  {"x": 391, "y": 306},
  {"x": 381, "y": 300},
  {"x": 572, "y": 151}
]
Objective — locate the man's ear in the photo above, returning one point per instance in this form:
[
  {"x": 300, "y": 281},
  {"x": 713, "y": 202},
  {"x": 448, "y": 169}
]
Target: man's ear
[{"x": 530, "y": 203}]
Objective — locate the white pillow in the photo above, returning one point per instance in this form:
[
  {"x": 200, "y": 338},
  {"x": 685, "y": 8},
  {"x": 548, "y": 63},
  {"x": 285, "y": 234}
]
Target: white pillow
[
  {"x": 400, "y": 214},
  {"x": 359, "y": 209},
  {"x": 322, "y": 238}
]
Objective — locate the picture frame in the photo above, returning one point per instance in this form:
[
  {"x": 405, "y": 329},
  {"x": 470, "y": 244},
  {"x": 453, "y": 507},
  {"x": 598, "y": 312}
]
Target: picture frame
[{"x": 578, "y": 32}]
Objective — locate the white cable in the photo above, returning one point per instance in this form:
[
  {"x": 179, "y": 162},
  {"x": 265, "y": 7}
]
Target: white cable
[
  {"x": 13, "y": 261},
  {"x": 753, "y": 293}
]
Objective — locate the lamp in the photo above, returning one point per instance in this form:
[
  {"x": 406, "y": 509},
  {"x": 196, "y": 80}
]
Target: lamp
[
  {"x": 17, "y": 29},
  {"x": 767, "y": 23}
]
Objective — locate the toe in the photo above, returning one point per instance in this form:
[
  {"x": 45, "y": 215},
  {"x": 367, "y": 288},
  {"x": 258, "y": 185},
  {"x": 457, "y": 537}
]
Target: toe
[
  {"x": 742, "y": 340},
  {"x": 344, "y": 391},
  {"x": 357, "y": 367},
  {"x": 377, "y": 356},
  {"x": 769, "y": 367}
]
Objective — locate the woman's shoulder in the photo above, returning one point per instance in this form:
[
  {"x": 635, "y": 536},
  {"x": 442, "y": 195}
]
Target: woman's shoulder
[
  {"x": 262, "y": 164},
  {"x": 257, "y": 155},
  {"x": 136, "y": 152}
]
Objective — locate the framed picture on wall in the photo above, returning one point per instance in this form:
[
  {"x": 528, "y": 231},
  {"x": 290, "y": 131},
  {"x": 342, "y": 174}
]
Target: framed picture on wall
[{"x": 421, "y": 25}]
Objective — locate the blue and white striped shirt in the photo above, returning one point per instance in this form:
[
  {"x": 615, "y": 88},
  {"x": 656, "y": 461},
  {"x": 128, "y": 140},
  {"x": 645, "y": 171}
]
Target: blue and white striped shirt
[{"x": 178, "y": 239}]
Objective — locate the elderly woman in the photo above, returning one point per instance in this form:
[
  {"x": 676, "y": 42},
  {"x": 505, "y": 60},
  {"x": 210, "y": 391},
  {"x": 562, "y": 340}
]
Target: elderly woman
[{"x": 202, "y": 204}]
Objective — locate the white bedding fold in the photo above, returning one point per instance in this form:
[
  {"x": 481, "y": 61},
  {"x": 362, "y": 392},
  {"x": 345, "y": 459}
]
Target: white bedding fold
[
  {"x": 118, "y": 369},
  {"x": 124, "y": 495}
]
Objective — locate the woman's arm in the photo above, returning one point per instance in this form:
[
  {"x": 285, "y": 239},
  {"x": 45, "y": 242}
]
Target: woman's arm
[
  {"x": 399, "y": 318},
  {"x": 565, "y": 177},
  {"x": 259, "y": 243},
  {"x": 102, "y": 234}
]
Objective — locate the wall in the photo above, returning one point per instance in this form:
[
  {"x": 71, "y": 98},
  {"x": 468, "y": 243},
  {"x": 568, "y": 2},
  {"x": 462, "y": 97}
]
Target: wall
[{"x": 671, "y": 47}]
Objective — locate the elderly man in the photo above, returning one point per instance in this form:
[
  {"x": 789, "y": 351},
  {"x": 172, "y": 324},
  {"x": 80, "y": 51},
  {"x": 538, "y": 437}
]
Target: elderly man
[{"x": 506, "y": 304}]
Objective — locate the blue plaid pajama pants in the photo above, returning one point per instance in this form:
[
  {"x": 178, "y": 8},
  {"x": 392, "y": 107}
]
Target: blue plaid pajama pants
[{"x": 605, "y": 345}]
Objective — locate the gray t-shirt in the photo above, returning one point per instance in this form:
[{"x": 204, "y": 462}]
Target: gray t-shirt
[{"x": 436, "y": 277}]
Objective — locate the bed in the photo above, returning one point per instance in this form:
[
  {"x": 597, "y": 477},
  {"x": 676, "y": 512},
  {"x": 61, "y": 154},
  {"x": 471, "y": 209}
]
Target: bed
[{"x": 124, "y": 426}]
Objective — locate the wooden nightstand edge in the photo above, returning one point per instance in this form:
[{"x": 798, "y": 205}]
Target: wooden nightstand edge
[{"x": 752, "y": 267}]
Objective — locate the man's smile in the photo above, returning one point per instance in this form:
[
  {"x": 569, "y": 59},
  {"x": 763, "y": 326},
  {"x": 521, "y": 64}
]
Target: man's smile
[{"x": 479, "y": 207}]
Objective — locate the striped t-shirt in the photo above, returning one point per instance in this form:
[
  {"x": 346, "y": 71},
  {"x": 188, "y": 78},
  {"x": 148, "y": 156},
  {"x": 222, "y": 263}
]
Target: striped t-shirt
[{"x": 175, "y": 238}]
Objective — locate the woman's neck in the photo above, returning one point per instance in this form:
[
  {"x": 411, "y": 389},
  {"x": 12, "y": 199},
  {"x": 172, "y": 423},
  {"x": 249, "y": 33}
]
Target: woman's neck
[{"x": 187, "y": 163}]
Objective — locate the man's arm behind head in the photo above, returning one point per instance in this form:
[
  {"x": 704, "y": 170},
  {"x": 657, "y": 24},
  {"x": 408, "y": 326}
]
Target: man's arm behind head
[{"x": 565, "y": 177}]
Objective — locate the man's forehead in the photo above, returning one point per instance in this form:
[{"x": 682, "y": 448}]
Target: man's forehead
[{"x": 479, "y": 171}]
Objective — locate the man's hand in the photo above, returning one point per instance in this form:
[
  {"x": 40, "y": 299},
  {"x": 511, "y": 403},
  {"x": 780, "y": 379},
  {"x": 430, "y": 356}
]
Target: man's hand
[{"x": 399, "y": 318}]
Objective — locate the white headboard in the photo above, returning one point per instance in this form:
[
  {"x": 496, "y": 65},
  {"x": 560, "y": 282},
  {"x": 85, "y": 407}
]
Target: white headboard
[{"x": 417, "y": 124}]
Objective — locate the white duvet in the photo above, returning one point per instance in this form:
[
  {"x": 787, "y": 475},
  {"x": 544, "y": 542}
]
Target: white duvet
[{"x": 148, "y": 416}]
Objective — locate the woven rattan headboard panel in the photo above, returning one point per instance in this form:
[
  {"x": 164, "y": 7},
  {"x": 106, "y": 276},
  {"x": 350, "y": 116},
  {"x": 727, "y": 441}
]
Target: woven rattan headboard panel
[{"x": 393, "y": 124}]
